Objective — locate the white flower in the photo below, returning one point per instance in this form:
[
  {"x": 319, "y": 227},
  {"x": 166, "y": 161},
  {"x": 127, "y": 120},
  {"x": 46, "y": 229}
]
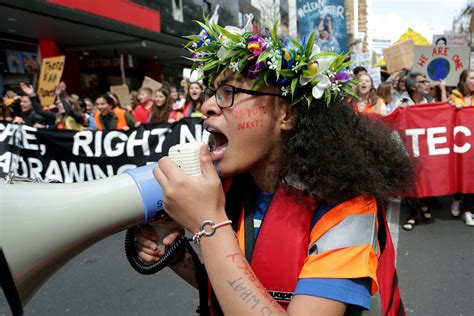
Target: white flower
[
  {"x": 285, "y": 91},
  {"x": 323, "y": 84},
  {"x": 206, "y": 42},
  {"x": 273, "y": 64},
  {"x": 295, "y": 68},
  {"x": 194, "y": 45},
  {"x": 234, "y": 66},
  {"x": 317, "y": 67}
]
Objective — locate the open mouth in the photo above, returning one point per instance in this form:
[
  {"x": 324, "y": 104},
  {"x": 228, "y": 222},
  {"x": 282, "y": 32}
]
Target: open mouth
[{"x": 217, "y": 141}]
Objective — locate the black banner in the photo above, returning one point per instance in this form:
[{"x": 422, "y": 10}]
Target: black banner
[{"x": 70, "y": 156}]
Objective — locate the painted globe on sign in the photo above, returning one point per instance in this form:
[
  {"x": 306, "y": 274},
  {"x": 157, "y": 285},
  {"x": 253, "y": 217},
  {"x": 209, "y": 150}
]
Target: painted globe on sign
[{"x": 438, "y": 69}]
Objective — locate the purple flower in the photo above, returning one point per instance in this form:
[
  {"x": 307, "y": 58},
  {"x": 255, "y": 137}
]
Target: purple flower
[
  {"x": 256, "y": 44},
  {"x": 255, "y": 69},
  {"x": 342, "y": 76},
  {"x": 267, "y": 31}
]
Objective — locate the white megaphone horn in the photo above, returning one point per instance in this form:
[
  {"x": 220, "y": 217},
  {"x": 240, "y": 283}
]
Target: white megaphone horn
[{"x": 44, "y": 225}]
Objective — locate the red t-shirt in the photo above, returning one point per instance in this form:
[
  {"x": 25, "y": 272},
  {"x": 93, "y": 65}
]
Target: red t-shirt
[{"x": 142, "y": 114}]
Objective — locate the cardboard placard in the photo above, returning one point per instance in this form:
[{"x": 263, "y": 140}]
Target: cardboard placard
[
  {"x": 441, "y": 62},
  {"x": 151, "y": 83},
  {"x": 450, "y": 40},
  {"x": 50, "y": 76},
  {"x": 123, "y": 94},
  {"x": 399, "y": 56}
]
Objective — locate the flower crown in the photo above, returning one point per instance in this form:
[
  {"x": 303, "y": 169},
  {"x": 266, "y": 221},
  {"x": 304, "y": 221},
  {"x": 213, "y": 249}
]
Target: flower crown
[{"x": 301, "y": 70}]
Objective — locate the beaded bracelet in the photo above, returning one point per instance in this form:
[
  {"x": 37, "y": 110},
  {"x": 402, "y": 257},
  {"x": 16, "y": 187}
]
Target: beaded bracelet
[{"x": 203, "y": 233}]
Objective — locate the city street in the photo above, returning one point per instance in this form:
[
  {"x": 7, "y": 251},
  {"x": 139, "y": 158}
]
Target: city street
[{"x": 434, "y": 263}]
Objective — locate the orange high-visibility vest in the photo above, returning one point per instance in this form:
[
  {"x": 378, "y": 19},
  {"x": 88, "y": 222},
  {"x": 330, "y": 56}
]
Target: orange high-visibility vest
[{"x": 121, "y": 121}]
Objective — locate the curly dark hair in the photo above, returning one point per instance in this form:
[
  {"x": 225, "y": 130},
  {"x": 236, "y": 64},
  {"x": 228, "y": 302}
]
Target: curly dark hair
[{"x": 339, "y": 154}]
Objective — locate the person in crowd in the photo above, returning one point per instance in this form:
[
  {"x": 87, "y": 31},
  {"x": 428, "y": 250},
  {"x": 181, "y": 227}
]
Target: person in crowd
[
  {"x": 162, "y": 107},
  {"x": 68, "y": 114},
  {"x": 134, "y": 99},
  {"x": 9, "y": 97},
  {"x": 89, "y": 108},
  {"x": 416, "y": 89},
  {"x": 6, "y": 112},
  {"x": 109, "y": 116},
  {"x": 298, "y": 215},
  {"x": 398, "y": 79},
  {"x": 437, "y": 92},
  {"x": 386, "y": 92},
  {"x": 359, "y": 71},
  {"x": 462, "y": 97},
  {"x": 176, "y": 101},
  {"x": 142, "y": 112},
  {"x": 192, "y": 105},
  {"x": 367, "y": 100}
]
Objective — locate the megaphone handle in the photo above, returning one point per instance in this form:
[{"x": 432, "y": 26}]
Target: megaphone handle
[{"x": 147, "y": 269}]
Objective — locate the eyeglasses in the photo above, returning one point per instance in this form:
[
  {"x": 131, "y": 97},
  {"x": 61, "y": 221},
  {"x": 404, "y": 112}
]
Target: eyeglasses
[
  {"x": 423, "y": 81},
  {"x": 225, "y": 94}
]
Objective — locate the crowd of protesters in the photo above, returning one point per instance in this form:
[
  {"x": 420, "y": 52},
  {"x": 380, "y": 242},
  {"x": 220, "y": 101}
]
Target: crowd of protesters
[
  {"x": 69, "y": 111},
  {"x": 165, "y": 105}
]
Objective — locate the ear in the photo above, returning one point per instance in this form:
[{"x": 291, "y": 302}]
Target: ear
[{"x": 286, "y": 116}]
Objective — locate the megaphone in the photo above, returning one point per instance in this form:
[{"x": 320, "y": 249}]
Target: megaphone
[{"x": 44, "y": 225}]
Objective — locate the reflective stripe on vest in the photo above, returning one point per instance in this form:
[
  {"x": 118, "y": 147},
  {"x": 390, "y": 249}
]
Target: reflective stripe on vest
[{"x": 348, "y": 233}]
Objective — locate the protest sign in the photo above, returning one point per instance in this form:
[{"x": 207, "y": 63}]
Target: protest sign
[
  {"x": 122, "y": 93},
  {"x": 362, "y": 59},
  {"x": 399, "y": 56},
  {"x": 450, "y": 40},
  {"x": 151, "y": 83},
  {"x": 441, "y": 62},
  {"x": 328, "y": 19},
  {"x": 376, "y": 76},
  {"x": 50, "y": 76}
]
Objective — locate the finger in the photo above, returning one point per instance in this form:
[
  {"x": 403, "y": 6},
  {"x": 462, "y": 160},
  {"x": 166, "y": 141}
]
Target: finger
[
  {"x": 207, "y": 167},
  {"x": 171, "y": 238},
  {"x": 147, "y": 258},
  {"x": 160, "y": 176},
  {"x": 146, "y": 243},
  {"x": 170, "y": 168},
  {"x": 154, "y": 253}
]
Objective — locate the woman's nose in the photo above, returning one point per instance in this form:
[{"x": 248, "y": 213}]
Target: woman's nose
[{"x": 210, "y": 107}]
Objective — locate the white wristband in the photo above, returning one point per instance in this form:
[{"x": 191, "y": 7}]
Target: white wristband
[{"x": 203, "y": 233}]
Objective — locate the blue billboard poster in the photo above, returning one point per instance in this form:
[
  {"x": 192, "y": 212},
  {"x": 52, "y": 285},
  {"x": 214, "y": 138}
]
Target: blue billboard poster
[
  {"x": 328, "y": 19},
  {"x": 15, "y": 62}
]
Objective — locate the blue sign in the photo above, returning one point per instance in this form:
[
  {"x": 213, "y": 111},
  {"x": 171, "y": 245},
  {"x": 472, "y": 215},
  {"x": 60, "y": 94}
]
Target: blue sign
[{"x": 328, "y": 19}]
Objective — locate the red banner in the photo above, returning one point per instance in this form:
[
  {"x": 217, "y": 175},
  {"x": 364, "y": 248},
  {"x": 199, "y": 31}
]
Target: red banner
[{"x": 440, "y": 137}]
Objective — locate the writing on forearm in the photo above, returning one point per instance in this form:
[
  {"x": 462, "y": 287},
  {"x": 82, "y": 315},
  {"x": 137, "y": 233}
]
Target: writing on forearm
[
  {"x": 242, "y": 264},
  {"x": 246, "y": 294}
]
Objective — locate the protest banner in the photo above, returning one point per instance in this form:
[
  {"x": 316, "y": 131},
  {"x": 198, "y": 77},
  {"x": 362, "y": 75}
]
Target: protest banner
[
  {"x": 399, "y": 56},
  {"x": 439, "y": 138},
  {"x": 450, "y": 40},
  {"x": 151, "y": 83},
  {"x": 50, "y": 76},
  {"x": 328, "y": 19},
  {"x": 122, "y": 93},
  {"x": 69, "y": 156},
  {"x": 441, "y": 62}
]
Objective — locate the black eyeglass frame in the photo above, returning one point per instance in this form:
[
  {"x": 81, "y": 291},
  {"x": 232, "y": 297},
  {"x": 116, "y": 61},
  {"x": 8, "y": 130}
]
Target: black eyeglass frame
[{"x": 236, "y": 90}]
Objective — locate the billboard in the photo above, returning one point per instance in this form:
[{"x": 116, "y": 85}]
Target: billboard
[{"x": 328, "y": 19}]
